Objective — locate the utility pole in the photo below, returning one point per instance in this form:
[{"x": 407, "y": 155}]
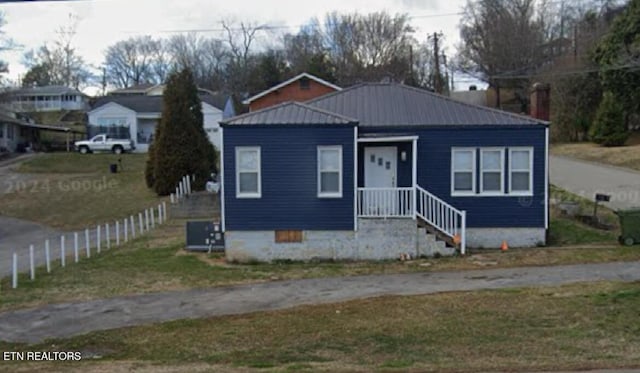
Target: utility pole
[
  {"x": 436, "y": 59},
  {"x": 446, "y": 73},
  {"x": 104, "y": 80}
]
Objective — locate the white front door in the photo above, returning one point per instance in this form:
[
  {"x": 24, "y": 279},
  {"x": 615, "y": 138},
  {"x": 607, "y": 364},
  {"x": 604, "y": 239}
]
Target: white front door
[{"x": 380, "y": 167}]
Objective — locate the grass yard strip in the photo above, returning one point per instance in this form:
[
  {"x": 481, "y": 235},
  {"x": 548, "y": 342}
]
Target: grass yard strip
[
  {"x": 157, "y": 262},
  {"x": 73, "y": 191},
  {"x": 564, "y": 230},
  {"x": 621, "y": 156},
  {"x": 572, "y": 327}
]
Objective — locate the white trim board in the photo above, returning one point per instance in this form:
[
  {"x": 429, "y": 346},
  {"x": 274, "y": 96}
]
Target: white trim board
[
  {"x": 388, "y": 139},
  {"x": 287, "y": 82}
]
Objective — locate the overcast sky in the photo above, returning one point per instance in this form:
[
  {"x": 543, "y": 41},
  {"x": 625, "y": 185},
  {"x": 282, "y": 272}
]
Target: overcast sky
[{"x": 104, "y": 22}]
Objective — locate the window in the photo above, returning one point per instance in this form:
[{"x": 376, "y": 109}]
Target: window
[
  {"x": 491, "y": 170},
  {"x": 112, "y": 121},
  {"x": 520, "y": 166},
  {"x": 330, "y": 171},
  {"x": 10, "y": 131},
  {"x": 305, "y": 84},
  {"x": 1, "y": 130},
  {"x": 463, "y": 179},
  {"x": 248, "y": 172}
]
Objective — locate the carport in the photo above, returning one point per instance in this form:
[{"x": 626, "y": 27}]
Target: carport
[{"x": 30, "y": 132}]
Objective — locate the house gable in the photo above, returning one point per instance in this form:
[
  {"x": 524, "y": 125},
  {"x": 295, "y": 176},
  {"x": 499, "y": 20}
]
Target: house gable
[
  {"x": 302, "y": 87},
  {"x": 111, "y": 107}
]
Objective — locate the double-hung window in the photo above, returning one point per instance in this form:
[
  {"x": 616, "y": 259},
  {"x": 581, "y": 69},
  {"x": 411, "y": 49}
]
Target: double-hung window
[
  {"x": 330, "y": 171},
  {"x": 248, "y": 173},
  {"x": 520, "y": 166},
  {"x": 463, "y": 178},
  {"x": 491, "y": 171}
]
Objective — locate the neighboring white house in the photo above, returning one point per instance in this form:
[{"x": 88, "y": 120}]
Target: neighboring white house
[
  {"x": 135, "y": 116},
  {"x": 48, "y": 98}
]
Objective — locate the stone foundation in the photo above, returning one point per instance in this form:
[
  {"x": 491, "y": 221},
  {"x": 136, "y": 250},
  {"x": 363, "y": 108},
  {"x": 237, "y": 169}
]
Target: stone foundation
[{"x": 376, "y": 239}]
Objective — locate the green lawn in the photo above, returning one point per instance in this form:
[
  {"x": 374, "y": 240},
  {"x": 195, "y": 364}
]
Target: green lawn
[
  {"x": 566, "y": 230},
  {"x": 573, "y": 327},
  {"x": 73, "y": 191},
  {"x": 621, "y": 156},
  {"x": 157, "y": 262}
]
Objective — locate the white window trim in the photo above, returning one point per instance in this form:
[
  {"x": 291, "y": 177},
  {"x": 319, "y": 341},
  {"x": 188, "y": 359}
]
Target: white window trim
[
  {"x": 481, "y": 171},
  {"x": 529, "y": 192},
  {"x": 259, "y": 170},
  {"x": 472, "y": 192},
  {"x": 319, "y": 172}
]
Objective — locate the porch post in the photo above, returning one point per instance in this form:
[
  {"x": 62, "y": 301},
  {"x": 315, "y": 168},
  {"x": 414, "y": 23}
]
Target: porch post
[
  {"x": 414, "y": 175},
  {"x": 355, "y": 178}
]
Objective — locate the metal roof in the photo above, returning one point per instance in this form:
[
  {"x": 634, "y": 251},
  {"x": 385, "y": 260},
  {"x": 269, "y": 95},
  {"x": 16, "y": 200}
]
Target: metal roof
[
  {"x": 7, "y": 118},
  {"x": 153, "y": 104},
  {"x": 287, "y": 82},
  {"x": 138, "y": 88},
  {"x": 46, "y": 90},
  {"x": 290, "y": 113},
  {"x": 390, "y": 104}
]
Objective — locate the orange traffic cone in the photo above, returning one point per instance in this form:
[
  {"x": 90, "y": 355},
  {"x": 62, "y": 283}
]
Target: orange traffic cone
[{"x": 504, "y": 246}]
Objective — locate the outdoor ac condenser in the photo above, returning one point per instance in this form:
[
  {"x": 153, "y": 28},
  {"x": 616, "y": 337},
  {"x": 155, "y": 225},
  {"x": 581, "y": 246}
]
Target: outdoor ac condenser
[{"x": 204, "y": 236}]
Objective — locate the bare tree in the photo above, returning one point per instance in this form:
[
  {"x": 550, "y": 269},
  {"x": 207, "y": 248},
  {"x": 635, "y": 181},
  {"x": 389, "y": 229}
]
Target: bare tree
[
  {"x": 207, "y": 58},
  {"x": 134, "y": 61},
  {"x": 502, "y": 39},
  {"x": 369, "y": 47},
  {"x": 240, "y": 39},
  {"x": 64, "y": 65},
  {"x": 6, "y": 43}
]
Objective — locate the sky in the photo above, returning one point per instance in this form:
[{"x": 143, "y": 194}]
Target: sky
[{"x": 104, "y": 22}]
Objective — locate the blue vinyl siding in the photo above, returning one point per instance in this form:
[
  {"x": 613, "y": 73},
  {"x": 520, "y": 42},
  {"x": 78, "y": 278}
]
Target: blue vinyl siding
[
  {"x": 434, "y": 171},
  {"x": 404, "y": 167},
  {"x": 289, "y": 179}
]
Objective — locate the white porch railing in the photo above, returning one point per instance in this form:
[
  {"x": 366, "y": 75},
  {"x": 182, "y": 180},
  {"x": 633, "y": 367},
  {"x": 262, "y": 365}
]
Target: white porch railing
[
  {"x": 399, "y": 203},
  {"x": 385, "y": 202},
  {"x": 446, "y": 218}
]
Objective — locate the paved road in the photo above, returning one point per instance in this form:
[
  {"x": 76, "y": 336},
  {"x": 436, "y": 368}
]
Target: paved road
[
  {"x": 10, "y": 180},
  {"x": 65, "y": 320},
  {"x": 587, "y": 178},
  {"x": 16, "y": 235}
]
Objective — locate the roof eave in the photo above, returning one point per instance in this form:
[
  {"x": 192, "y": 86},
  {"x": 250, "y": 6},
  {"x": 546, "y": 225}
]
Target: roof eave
[{"x": 287, "y": 82}]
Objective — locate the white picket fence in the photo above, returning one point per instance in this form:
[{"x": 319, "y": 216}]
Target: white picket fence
[
  {"x": 102, "y": 236},
  {"x": 183, "y": 189}
]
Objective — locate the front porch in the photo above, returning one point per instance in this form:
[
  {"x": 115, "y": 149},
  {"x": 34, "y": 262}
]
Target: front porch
[{"x": 387, "y": 187}]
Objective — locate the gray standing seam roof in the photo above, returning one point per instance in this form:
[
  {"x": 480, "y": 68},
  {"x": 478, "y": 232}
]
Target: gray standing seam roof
[
  {"x": 389, "y": 104},
  {"x": 47, "y": 90},
  {"x": 291, "y": 112},
  {"x": 151, "y": 104}
]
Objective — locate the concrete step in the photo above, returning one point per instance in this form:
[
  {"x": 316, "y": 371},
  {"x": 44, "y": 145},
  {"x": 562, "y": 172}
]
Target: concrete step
[{"x": 197, "y": 205}]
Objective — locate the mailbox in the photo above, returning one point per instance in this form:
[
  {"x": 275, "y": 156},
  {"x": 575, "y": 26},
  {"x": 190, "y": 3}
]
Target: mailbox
[
  {"x": 205, "y": 236},
  {"x": 602, "y": 197}
]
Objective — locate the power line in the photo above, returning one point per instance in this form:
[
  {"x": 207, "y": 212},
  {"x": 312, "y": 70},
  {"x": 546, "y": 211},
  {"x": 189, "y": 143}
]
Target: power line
[
  {"x": 280, "y": 27},
  {"x": 631, "y": 66}
]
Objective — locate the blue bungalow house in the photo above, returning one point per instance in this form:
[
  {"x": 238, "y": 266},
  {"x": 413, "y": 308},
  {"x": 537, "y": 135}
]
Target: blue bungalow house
[{"x": 378, "y": 170}]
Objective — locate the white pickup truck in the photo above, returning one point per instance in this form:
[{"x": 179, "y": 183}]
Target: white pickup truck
[{"x": 102, "y": 143}]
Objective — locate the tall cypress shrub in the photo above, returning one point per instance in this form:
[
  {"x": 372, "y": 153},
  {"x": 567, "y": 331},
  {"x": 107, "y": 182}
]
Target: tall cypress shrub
[
  {"x": 609, "y": 128},
  {"x": 181, "y": 146}
]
